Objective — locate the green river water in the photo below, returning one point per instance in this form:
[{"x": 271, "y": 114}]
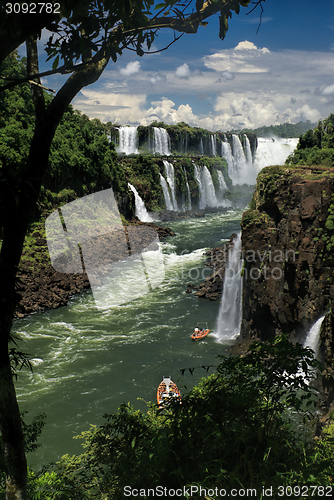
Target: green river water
[{"x": 88, "y": 361}]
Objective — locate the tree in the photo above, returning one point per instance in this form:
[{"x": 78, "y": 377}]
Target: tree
[{"x": 84, "y": 36}]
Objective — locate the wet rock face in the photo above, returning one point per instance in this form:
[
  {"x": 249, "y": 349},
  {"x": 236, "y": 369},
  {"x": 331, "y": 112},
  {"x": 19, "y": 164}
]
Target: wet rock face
[{"x": 288, "y": 252}]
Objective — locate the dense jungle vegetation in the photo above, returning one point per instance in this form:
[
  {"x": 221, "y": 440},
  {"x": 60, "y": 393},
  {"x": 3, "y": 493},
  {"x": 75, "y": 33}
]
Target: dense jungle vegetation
[
  {"x": 315, "y": 147},
  {"x": 244, "y": 426}
]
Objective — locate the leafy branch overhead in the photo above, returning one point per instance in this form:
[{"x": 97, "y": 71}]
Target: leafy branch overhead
[{"x": 98, "y": 30}]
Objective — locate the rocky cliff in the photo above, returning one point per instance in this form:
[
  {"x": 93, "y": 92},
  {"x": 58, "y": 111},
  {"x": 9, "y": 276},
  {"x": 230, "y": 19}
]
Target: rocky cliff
[{"x": 288, "y": 250}]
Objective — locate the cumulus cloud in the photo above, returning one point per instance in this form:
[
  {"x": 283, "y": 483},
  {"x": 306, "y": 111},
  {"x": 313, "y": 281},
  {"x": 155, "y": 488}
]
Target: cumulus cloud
[
  {"x": 244, "y": 58},
  {"x": 233, "y": 88},
  {"x": 130, "y": 69},
  {"x": 183, "y": 71}
]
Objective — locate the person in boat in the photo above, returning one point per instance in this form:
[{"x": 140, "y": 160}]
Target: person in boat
[{"x": 196, "y": 330}]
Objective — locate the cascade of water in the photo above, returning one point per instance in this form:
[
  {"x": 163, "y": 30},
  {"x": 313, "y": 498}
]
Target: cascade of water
[
  {"x": 188, "y": 205},
  {"x": 161, "y": 141},
  {"x": 168, "y": 201},
  {"x": 249, "y": 157},
  {"x": 273, "y": 151},
  {"x": 313, "y": 337},
  {"x": 206, "y": 187},
  {"x": 229, "y": 316},
  {"x": 213, "y": 145},
  {"x": 169, "y": 172},
  {"x": 210, "y": 194},
  {"x": 141, "y": 211},
  {"x": 198, "y": 177},
  {"x": 128, "y": 140},
  {"x": 231, "y": 164},
  {"x": 222, "y": 183},
  {"x": 244, "y": 172},
  {"x": 201, "y": 148}
]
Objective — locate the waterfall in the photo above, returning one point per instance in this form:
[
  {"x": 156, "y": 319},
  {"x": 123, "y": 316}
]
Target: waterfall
[
  {"x": 273, "y": 151},
  {"x": 244, "y": 172},
  {"x": 187, "y": 206},
  {"x": 168, "y": 201},
  {"x": 161, "y": 141},
  {"x": 128, "y": 140},
  {"x": 313, "y": 337},
  {"x": 201, "y": 147},
  {"x": 206, "y": 188},
  {"x": 213, "y": 145},
  {"x": 229, "y": 316},
  {"x": 249, "y": 158},
  {"x": 169, "y": 172},
  {"x": 141, "y": 211},
  {"x": 222, "y": 183},
  {"x": 231, "y": 165}
]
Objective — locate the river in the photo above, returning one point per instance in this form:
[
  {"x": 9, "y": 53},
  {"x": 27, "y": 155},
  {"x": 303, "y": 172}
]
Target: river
[{"x": 86, "y": 361}]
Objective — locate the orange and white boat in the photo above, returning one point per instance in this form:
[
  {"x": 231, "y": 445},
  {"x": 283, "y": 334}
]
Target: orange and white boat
[
  {"x": 200, "y": 331},
  {"x": 167, "y": 392}
]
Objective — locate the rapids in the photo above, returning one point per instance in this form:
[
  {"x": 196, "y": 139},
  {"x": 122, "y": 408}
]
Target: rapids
[{"x": 86, "y": 361}]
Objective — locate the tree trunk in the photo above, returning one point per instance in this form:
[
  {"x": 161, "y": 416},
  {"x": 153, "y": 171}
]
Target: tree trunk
[{"x": 20, "y": 200}]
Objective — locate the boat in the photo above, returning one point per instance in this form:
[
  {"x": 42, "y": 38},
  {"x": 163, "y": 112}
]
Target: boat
[
  {"x": 200, "y": 331},
  {"x": 167, "y": 391}
]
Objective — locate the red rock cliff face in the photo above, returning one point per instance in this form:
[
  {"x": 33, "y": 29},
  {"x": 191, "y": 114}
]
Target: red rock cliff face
[{"x": 288, "y": 245}]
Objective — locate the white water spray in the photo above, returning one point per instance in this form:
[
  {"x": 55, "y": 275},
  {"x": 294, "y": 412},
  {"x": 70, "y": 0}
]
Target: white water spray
[
  {"x": 128, "y": 140},
  {"x": 206, "y": 188},
  {"x": 161, "y": 141},
  {"x": 273, "y": 151},
  {"x": 169, "y": 172},
  {"x": 229, "y": 317},
  {"x": 141, "y": 211},
  {"x": 168, "y": 200},
  {"x": 313, "y": 337}
]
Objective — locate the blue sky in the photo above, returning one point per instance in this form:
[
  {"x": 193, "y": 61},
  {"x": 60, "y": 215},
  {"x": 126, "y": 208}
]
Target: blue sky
[{"x": 283, "y": 73}]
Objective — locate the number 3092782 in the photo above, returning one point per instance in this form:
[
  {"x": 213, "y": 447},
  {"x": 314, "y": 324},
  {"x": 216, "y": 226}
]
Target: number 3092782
[{"x": 32, "y": 8}]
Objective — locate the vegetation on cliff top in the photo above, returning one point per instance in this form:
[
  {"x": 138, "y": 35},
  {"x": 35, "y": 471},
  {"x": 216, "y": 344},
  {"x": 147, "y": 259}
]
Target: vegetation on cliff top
[{"x": 315, "y": 147}]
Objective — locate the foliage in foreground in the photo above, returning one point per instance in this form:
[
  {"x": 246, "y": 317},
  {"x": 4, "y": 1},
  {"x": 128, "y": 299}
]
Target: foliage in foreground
[{"x": 243, "y": 426}]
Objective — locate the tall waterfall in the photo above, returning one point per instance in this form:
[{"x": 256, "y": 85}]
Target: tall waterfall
[
  {"x": 244, "y": 171},
  {"x": 241, "y": 167},
  {"x": 141, "y": 211},
  {"x": 128, "y": 140},
  {"x": 187, "y": 206},
  {"x": 169, "y": 172},
  {"x": 168, "y": 200},
  {"x": 213, "y": 145},
  {"x": 201, "y": 147},
  {"x": 206, "y": 188},
  {"x": 229, "y": 316},
  {"x": 227, "y": 154},
  {"x": 313, "y": 337},
  {"x": 249, "y": 158},
  {"x": 161, "y": 141},
  {"x": 273, "y": 151}
]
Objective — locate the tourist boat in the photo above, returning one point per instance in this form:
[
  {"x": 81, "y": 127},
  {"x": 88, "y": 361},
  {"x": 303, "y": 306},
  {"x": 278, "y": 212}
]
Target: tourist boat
[
  {"x": 200, "y": 331},
  {"x": 167, "y": 391}
]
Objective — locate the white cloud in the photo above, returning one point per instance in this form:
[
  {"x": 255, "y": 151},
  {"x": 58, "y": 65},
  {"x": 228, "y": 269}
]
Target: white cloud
[
  {"x": 250, "y": 46},
  {"x": 182, "y": 71},
  {"x": 244, "y": 58},
  {"x": 328, "y": 90},
  {"x": 234, "y": 88},
  {"x": 130, "y": 69},
  {"x": 114, "y": 107}
]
